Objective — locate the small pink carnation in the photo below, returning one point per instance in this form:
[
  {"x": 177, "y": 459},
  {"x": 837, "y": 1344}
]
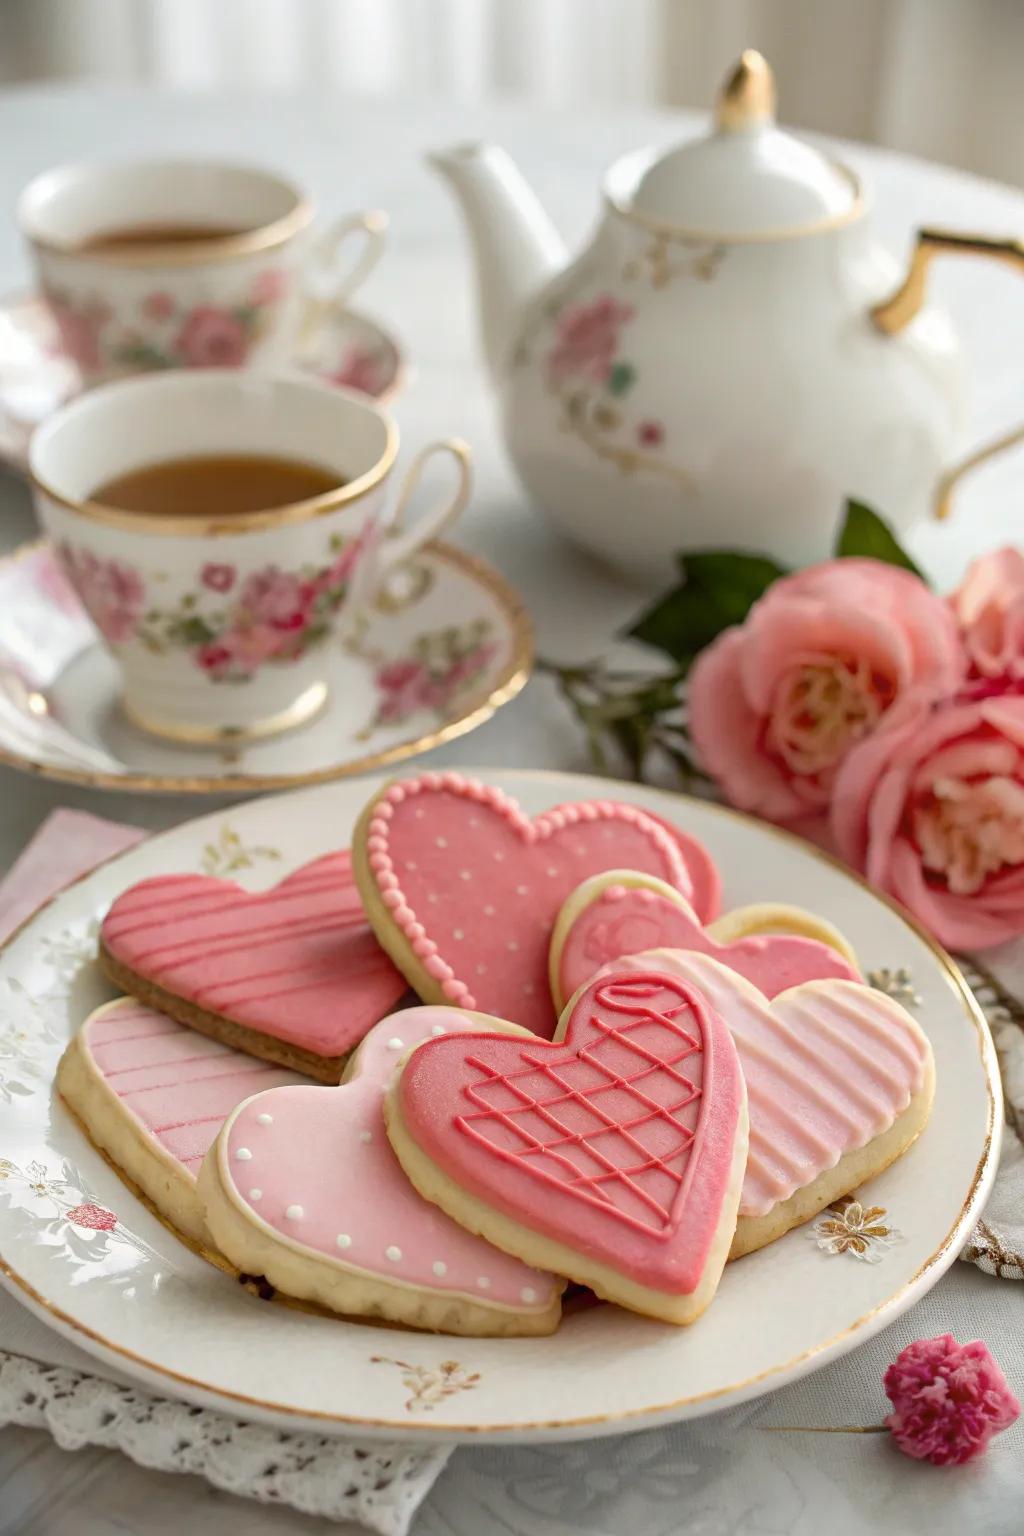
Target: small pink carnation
[
  {"x": 948, "y": 1400},
  {"x": 989, "y": 607}
]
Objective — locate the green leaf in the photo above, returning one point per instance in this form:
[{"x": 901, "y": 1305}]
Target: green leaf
[
  {"x": 865, "y": 534},
  {"x": 718, "y": 589},
  {"x": 621, "y": 378},
  {"x": 193, "y": 631}
]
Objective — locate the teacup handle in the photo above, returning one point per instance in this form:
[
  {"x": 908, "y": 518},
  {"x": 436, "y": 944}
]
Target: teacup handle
[
  {"x": 400, "y": 547},
  {"x": 331, "y": 276}
]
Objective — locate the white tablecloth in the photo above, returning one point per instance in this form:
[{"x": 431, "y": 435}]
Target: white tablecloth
[{"x": 726, "y": 1474}]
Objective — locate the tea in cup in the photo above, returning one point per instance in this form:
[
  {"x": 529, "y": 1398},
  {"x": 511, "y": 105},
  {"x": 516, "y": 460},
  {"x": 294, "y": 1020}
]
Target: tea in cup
[
  {"x": 225, "y": 531},
  {"x": 183, "y": 264}
]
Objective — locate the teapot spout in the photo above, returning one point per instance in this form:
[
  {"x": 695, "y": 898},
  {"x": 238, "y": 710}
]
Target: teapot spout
[{"x": 515, "y": 245}]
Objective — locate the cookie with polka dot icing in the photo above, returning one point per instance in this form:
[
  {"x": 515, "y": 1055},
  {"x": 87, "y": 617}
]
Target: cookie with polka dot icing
[
  {"x": 302, "y": 1186},
  {"x": 463, "y": 888},
  {"x": 613, "y": 1154},
  {"x": 292, "y": 974},
  {"x": 152, "y": 1095},
  {"x": 623, "y": 913}
]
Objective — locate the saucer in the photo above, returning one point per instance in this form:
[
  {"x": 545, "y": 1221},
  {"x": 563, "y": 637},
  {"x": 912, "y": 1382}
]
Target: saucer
[
  {"x": 36, "y": 377},
  {"x": 445, "y": 646}
]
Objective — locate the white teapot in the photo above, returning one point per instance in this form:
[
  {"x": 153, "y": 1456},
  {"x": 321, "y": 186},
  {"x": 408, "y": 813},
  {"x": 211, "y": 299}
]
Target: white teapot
[{"x": 730, "y": 358}]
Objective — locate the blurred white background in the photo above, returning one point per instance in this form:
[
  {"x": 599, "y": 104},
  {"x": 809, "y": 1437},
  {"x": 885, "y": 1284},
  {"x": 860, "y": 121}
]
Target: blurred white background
[{"x": 940, "y": 78}]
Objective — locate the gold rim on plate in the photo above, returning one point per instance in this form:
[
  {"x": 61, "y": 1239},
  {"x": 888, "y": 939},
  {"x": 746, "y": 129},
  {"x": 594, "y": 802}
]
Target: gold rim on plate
[
  {"x": 478, "y": 708},
  {"x": 983, "y": 1174}
]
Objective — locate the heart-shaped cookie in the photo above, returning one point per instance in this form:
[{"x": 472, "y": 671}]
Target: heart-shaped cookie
[
  {"x": 302, "y": 1186},
  {"x": 292, "y": 974},
  {"x": 152, "y": 1095},
  {"x": 622, "y": 913},
  {"x": 613, "y": 1154},
  {"x": 463, "y": 889},
  {"x": 839, "y": 1080}
]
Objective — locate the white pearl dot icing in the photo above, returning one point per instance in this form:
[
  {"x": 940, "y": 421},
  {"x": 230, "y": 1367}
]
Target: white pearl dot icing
[
  {"x": 528, "y": 1294},
  {"x": 484, "y": 1282},
  {"x": 465, "y": 874},
  {"x": 244, "y": 1155},
  {"x": 264, "y": 1119},
  {"x": 458, "y": 933},
  {"x": 255, "y": 1194},
  {"x": 295, "y": 1213},
  {"x": 439, "y": 1267},
  {"x": 394, "y": 1254},
  {"x": 365, "y": 1135},
  {"x": 343, "y": 1240},
  {"x": 522, "y": 890},
  {"x": 442, "y": 842},
  {"x": 394, "y": 1044},
  {"x": 437, "y": 1029},
  {"x": 488, "y": 911}
]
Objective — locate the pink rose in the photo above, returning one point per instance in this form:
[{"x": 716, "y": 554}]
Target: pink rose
[
  {"x": 269, "y": 286},
  {"x": 360, "y": 369},
  {"x": 212, "y": 338},
  {"x": 468, "y": 666},
  {"x": 587, "y": 339},
  {"x": 405, "y": 685},
  {"x": 158, "y": 307},
  {"x": 214, "y": 658},
  {"x": 251, "y": 646},
  {"x": 948, "y": 1400},
  {"x": 96, "y": 1218},
  {"x": 777, "y": 702},
  {"x": 219, "y": 578},
  {"x": 276, "y": 597},
  {"x": 112, "y": 594},
  {"x": 989, "y": 607},
  {"x": 931, "y": 808},
  {"x": 79, "y": 333}
]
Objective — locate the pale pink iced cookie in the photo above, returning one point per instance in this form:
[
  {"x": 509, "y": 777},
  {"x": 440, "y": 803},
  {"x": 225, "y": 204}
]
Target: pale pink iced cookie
[
  {"x": 152, "y": 1095},
  {"x": 292, "y": 974},
  {"x": 840, "y": 1081},
  {"x": 302, "y": 1186},
  {"x": 613, "y": 1154},
  {"x": 463, "y": 889},
  {"x": 622, "y": 913}
]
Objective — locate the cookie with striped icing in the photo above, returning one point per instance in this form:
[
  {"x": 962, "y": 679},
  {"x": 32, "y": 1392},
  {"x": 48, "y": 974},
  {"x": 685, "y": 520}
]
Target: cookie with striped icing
[
  {"x": 153, "y": 1095},
  {"x": 292, "y": 974}
]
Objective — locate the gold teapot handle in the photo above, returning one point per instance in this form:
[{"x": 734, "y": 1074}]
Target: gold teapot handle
[{"x": 898, "y": 311}]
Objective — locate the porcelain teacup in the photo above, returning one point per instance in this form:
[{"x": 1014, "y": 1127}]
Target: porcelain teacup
[
  {"x": 160, "y": 264},
  {"x": 232, "y": 627}
]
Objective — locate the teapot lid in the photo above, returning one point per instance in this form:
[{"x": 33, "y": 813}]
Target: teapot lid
[{"x": 747, "y": 179}]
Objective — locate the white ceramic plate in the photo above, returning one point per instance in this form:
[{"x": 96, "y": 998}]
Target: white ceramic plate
[
  {"x": 36, "y": 377},
  {"x": 443, "y": 652},
  {"x": 81, "y": 1251}
]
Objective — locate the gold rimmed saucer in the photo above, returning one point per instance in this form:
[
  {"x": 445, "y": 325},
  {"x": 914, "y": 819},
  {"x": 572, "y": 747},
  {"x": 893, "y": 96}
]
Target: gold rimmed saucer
[{"x": 442, "y": 653}]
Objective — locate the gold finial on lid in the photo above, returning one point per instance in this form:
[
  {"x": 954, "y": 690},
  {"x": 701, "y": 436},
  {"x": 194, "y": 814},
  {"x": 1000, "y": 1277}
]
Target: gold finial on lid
[{"x": 748, "y": 95}]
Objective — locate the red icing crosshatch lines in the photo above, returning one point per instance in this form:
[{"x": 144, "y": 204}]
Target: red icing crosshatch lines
[
  {"x": 612, "y": 1155},
  {"x": 631, "y": 1157}
]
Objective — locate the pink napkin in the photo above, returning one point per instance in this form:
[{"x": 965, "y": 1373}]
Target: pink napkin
[{"x": 68, "y": 844}]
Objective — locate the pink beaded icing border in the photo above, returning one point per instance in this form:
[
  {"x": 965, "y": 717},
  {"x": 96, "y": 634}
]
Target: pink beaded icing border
[{"x": 383, "y": 869}]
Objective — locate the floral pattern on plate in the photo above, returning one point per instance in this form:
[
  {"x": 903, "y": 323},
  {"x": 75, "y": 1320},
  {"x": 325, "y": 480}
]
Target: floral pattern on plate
[{"x": 439, "y": 668}]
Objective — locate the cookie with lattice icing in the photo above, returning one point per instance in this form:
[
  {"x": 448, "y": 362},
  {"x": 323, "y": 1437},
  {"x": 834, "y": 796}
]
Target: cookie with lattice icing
[
  {"x": 463, "y": 888},
  {"x": 613, "y": 1154},
  {"x": 840, "y": 1081},
  {"x": 152, "y": 1096},
  {"x": 292, "y": 974},
  {"x": 624, "y": 913},
  {"x": 302, "y": 1186}
]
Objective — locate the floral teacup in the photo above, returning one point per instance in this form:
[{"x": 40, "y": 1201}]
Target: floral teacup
[
  {"x": 234, "y": 627},
  {"x": 251, "y": 295}
]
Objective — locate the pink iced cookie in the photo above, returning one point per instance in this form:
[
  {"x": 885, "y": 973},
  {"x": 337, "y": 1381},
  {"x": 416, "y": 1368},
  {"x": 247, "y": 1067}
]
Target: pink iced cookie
[
  {"x": 463, "y": 889},
  {"x": 613, "y": 1154},
  {"x": 624, "y": 914},
  {"x": 292, "y": 974},
  {"x": 302, "y": 1186},
  {"x": 839, "y": 1080},
  {"x": 153, "y": 1095}
]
